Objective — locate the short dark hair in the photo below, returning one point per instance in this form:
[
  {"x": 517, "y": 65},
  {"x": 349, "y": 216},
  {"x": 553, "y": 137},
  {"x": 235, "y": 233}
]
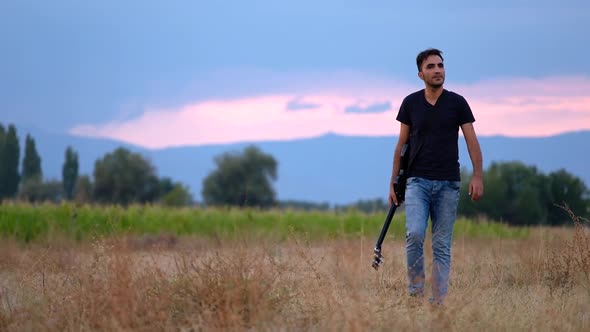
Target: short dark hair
[{"x": 425, "y": 54}]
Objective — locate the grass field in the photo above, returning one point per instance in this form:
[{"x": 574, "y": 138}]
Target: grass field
[
  {"x": 83, "y": 268},
  {"x": 28, "y": 223}
]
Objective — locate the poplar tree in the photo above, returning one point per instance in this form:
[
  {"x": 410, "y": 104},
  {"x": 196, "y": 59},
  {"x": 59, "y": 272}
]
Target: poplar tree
[
  {"x": 69, "y": 172},
  {"x": 2, "y": 160},
  {"x": 9, "y": 159},
  {"x": 31, "y": 161}
]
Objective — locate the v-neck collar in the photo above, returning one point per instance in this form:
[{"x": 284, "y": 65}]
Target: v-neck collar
[{"x": 437, "y": 100}]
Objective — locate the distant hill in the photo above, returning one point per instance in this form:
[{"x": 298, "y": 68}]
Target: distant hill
[{"x": 330, "y": 168}]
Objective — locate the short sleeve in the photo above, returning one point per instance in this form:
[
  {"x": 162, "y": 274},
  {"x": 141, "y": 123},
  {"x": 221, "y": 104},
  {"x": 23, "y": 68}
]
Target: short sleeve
[
  {"x": 465, "y": 114},
  {"x": 403, "y": 115}
]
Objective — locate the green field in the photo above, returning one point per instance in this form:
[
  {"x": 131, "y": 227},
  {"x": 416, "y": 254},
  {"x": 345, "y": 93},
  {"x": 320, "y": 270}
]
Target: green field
[{"x": 26, "y": 223}]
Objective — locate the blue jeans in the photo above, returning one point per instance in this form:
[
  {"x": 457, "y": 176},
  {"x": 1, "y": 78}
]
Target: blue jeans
[{"x": 439, "y": 200}]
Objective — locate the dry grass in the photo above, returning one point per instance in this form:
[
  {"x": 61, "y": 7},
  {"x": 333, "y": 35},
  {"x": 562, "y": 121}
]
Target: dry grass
[{"x": 169, "y": 284}]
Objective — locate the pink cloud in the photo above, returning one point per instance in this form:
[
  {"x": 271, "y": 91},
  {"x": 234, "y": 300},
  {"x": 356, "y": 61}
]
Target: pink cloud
[
  {"x": 510, "y": 107},
  {"x": 527, "y": 107}
]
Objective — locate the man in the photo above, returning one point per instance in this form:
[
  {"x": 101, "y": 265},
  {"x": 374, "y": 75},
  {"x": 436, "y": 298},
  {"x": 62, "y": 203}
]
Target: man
[{"x": 430, "y": 121}]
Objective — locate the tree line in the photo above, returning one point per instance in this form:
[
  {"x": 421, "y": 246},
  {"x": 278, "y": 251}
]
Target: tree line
[
  {"x": 119, "y": 177},
  {"x": 515, "y": 193},
  {"x": 520, "y": 194}
]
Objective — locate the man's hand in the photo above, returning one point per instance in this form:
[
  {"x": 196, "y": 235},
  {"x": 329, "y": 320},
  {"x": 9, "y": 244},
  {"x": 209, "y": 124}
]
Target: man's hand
[
  {"x": 476, "y": 187},
  {"x": 392, "y": 196}
]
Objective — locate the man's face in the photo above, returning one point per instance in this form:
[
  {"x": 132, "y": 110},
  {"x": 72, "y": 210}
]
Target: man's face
[{"x": 433, "y": 71}]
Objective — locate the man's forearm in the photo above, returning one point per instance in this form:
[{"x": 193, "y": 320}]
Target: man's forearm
[
  {"x": 476, "y": 158},
  {"x": 395, "y": 166}
]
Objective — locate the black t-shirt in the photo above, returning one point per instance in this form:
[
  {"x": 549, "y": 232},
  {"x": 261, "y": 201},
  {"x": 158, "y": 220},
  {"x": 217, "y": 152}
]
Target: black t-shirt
[{"x": 438, "y": 158}]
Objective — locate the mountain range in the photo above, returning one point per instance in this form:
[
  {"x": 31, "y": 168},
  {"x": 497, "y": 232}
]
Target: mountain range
[{"x": 331, "y": 168}]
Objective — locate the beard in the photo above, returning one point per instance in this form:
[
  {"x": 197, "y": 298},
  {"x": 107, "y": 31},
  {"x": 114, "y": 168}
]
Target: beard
[{"x": 435, "y": 84}]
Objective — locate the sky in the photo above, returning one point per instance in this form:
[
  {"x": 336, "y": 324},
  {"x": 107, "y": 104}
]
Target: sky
[{"x": 161, "y": 74}]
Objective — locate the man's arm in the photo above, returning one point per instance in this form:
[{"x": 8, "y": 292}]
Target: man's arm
[
  {"x": 476, "y": 184},
  {"x": 404, "y": 134}
]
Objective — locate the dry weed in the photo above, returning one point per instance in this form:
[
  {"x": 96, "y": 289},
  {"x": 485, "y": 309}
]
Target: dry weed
[
  {"x": 569, "y": 264},
  {"x": 195, "y": 284}
]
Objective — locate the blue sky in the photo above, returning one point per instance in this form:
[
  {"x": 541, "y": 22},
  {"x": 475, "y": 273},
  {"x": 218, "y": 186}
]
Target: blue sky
[{"x": 106, "y": 67}]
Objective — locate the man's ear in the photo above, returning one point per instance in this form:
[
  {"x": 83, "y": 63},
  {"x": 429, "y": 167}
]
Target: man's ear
[{"x": 421, "y": 75}]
